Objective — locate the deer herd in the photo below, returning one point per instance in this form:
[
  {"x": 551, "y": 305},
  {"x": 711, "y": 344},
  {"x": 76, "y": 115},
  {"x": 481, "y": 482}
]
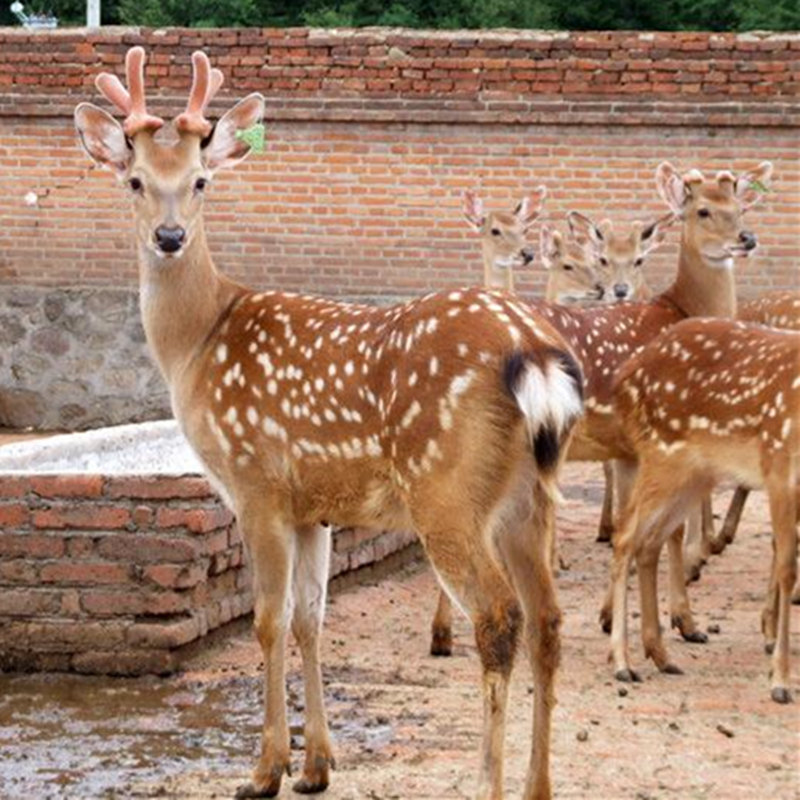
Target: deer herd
[{"x": 453, "y": 413}]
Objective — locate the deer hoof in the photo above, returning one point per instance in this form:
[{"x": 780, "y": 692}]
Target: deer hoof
[
  {"x": 769, "y": 647},
  {"x": 628, "y": 676},
  {"x": 781, "y": 695},
  {"x": 250, "y": 790},
  {"x": 442, "y": 643},
  {"x": 695, "y": 637},
  {"x": 671, "y": 669}
]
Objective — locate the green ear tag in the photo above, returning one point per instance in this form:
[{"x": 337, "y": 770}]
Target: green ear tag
[
  {"x": 253, "y": 136},
  {"x": 759, "y": 187}
]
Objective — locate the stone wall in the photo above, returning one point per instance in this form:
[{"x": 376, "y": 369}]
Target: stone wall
[
  {"x": 73, "y": 358},
  {"x": 117, "y": 574}
]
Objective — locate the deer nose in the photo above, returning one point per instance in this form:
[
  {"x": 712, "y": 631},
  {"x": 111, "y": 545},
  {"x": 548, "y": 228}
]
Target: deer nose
[
  {"x": 600, "y": 289},
  {"x": 527, "y": 254},
  {"x": 170, "y": 239},
  {"x": 621, "y": 290},
  {"x": 748, "y": 240}
]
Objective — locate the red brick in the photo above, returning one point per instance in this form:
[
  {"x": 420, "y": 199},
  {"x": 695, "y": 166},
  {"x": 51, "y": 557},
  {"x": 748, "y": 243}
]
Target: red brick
[
  {"x": 177, "y": 576},
  {"x": 86, "y": 573},
  {"x": 31, "y": 545},
  {"x": 197, "y": 520},
  {"x": 158, "y": 487},
  {"x": 94, "y": 517},
  {"x": 29, "y": 602},
  {"x": 13, "y": 516},
  {"x": 13, "y": 486},
  {"x": 67, "y": 485},
  {"x": 143, "y": 549}
]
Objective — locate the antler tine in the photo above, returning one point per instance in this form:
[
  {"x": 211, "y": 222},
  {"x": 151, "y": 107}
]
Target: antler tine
[
  {"x": 130, "y": 101},
  {"x": 205, "y": 84}
]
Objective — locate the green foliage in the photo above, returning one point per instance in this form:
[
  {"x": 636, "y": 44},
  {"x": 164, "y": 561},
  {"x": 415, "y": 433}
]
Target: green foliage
[{"x": 665, "y": 15}]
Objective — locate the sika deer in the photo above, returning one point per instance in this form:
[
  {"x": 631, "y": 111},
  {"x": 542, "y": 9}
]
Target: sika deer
[
  {"x": 707, "y": 400},
  {"x": 603, "y": 338},
  {"x": 504, "y": 236},
  {"x": 622, "y": 258},
  {"x": 448, "y": 414},
  {"x": 776, "y": 309}
]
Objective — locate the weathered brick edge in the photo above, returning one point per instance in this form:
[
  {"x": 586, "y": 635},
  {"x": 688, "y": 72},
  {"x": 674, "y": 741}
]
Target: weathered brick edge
[
  {"x": 114, "y": 575},
  {"x": 396, "y": 75}
]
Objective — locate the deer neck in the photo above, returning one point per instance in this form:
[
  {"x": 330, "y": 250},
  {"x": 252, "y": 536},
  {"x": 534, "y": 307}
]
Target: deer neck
[
  {"x": 702, "y": 289},
  {"x": 181, "y": 301},
  {"x": 494, "y": 278}
]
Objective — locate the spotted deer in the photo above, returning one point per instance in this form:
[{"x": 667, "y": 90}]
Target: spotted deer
[
  {"x": 574, "y": 277},
  {"x": 447, "y": 414},
  {"x": 776, "y": 309},
  {"x": 708, "y": 400},
  {"x": 504, "y": 236},
  {"x": 711, "y": 211},
  {"x": 622, "y": 259}
]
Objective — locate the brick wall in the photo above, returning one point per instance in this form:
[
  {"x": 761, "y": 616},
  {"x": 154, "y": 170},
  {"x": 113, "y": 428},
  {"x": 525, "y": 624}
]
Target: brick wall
[
  {"x": 373, "y": 136},
  {"x": 116, "y": 574}
]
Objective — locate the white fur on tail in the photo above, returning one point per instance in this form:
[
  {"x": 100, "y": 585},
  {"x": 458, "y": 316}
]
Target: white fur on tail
[{"x": 548, "y": 396}]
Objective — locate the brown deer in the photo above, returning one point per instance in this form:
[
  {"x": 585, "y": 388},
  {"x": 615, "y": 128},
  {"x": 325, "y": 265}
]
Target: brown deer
[
  {"x": 504, "y": 236},
  {"x": 604, "y": 337},
  {"x": 776, "y": 309},
  {"x": 448, "y": 414},
  {"x": 706, "y": 400},
  {"x": 575, "y": 276},
  {"x": 622, "y": 258}
]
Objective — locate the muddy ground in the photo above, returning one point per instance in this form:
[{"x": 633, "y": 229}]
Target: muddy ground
[{"x": 406, "y": 725}]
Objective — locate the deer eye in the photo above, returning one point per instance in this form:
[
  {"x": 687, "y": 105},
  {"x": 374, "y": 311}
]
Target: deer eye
[
  {"x": 604, "y": 261},
  {"x": 568, "y": 267},
  {"x": 704, "y": 213},
  {"x": 496, "y": 231},
  {"x": 200, "y": 184},
  {"x": 638, "y": 262},
  {"x": 136, "y": 185}
]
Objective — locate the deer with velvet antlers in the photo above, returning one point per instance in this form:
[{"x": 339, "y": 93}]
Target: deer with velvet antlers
[{"x": 448, "y": 414}]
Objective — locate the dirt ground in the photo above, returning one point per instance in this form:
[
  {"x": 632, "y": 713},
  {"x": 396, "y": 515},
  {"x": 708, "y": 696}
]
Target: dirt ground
[{"x": 406, "y": 725}]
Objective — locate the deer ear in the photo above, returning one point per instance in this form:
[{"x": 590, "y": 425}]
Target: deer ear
[
  {"x": 103, "y": 139},
  {"x": 651, "y": 236},
  {"x": 584, "y": 231},
  {"x": 550, "y": 245},
  {"x": 671, "y": 187},
  {"x": 531, "y": 206},
  {"x": 226, "y": 148},
  {"x": 473, "y": 210},
  {"x": 752, "y": 185}
]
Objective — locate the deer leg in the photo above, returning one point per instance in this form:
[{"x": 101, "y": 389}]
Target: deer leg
[
  {"x": 624, "y": 476},
  {"x": 442, "y": 627},
  {"x": 680, "y": 610},
  {"x": 769, "y": 614},
  {"x": 526, "y": 557},
  {"x": 606, "y": 530},
  {"x": 310, "y": 587},
  {"x": 707, "y": 519},
  {"x": 783, "y": 513},
  {"x": 496, "y": 633},
  {"x": 693, "y": 548},
  {"x": 271, "y": 546},
  {"x": 731, "y": 523}
]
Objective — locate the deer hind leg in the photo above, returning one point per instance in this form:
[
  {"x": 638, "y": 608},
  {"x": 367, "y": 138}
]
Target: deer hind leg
[
  {"x": 680, "y": 610},
  {"x": 783, "y": 512},
  {"x": 624, "y": 477},
  {"x": 442, "y": 627},
  {"x": 731, "y": 523},
  {"x": 309, "y": 588},
  {"x": 525, "y": 545},
  {"x": 606, "y": 529},
  {"x": 271, "y": 544},
  {"x": 695, "y": 544}
]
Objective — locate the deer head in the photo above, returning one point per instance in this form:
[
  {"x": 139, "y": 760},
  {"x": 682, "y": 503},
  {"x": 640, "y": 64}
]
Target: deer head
[
  {"x": 620, "y": 257},
  {"x": 573, "y": 276},
  {"x": 503, "y": 235},
  {"x": 166, "y": 178},
  {"x": 712, "y": 210}
]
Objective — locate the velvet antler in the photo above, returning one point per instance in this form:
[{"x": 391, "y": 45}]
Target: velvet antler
[
  {"x": 205, "y": 84},
  {"x": 130, "y": 101}
]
